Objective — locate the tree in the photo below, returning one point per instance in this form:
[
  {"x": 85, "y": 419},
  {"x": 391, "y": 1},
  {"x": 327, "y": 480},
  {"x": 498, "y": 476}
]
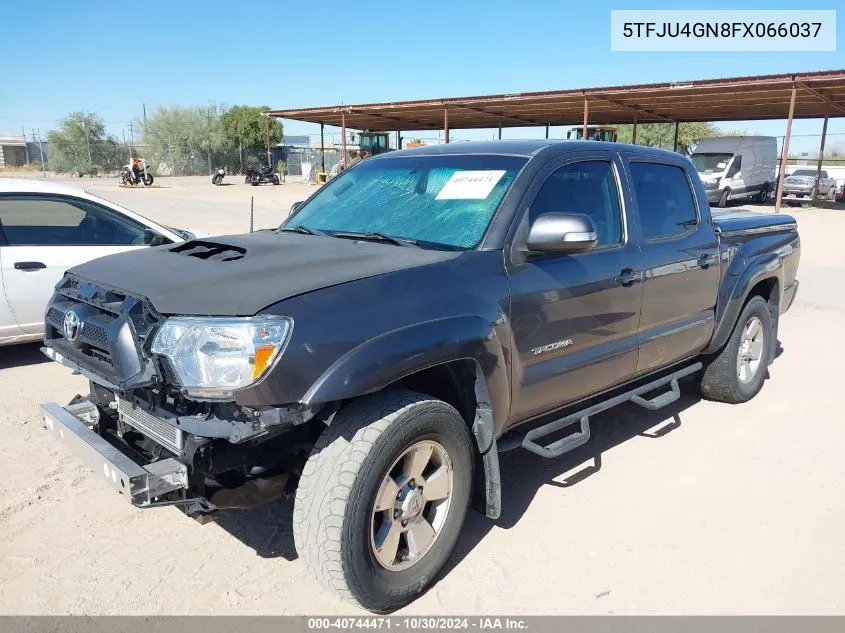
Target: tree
[
  {"x": 663, "y": 134},
  {"x": 186, "y": 140},
  {"x": 245, "y": 126},
  {"x": 81, "y": 145}
]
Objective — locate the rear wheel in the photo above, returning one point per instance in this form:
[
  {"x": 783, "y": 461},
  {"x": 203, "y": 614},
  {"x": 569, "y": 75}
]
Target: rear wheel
[
  {"x": 383, "y": 497},
  {"x": 737, "y": 372},
  {"x": 763, "y": 196}
]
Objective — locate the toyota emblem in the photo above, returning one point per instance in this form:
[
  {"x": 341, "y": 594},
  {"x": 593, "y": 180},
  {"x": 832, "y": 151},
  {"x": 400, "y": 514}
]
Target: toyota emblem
[{"x": 71, "y": 325}]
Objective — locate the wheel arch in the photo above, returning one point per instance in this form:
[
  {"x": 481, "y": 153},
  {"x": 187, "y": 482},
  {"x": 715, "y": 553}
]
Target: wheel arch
[
  {"x": 763, "y": 278},
  {"x": 459, "y": 360}
]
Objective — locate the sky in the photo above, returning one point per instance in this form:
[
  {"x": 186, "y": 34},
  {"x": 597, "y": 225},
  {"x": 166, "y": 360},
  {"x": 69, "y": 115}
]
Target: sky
[{"x": 113, "y": 58}]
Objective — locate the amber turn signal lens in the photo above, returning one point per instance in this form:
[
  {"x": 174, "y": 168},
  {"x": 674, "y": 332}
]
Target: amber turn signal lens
[{"x": 263, "y": 356}]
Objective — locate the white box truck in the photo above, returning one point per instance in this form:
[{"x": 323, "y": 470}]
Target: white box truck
[{"x": 737, "y": 167}]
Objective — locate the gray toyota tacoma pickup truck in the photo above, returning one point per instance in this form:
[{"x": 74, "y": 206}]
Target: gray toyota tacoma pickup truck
[{"x": 422, "y": 312}]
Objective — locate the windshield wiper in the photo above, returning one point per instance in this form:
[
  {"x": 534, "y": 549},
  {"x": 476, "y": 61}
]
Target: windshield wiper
[
  {"x": 374, "y": 236},
  {"x": 299, "y": 228}
]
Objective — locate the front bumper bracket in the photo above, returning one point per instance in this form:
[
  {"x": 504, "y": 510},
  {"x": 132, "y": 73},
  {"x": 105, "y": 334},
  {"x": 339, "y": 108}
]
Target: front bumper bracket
[{"x": 141, "y": 484}]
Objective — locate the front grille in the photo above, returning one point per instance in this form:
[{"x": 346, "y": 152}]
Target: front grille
[
  {"x": 114, "y": 330},
  {"x": 95, "y": 334},
  {"x": 151, "y": 426},
  {"x": 54, "y": 317}
]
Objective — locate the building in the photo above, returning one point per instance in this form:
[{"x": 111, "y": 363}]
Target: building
[{"x": 13, "y": 151}]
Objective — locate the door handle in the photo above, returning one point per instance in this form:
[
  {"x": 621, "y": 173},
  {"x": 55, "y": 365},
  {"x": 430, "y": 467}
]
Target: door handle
[
  {"x": 628, "y": 277},
  {"x": 706, "y": 259},
  {"x": 27, "y": 266}
]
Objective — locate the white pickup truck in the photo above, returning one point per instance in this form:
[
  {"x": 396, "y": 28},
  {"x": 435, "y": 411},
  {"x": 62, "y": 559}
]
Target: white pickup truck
[{"x": 46, "y": 228}]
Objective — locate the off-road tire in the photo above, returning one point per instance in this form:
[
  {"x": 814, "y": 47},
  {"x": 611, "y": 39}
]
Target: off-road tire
[
  {"x": 719, "y": 380},
  {"x": 723, "y": 199},
  {"x": 148, "y": 180},
  {"x": 336, "y": 493}
]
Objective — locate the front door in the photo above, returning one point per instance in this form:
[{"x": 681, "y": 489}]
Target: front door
[
  {"x": 575, "y": 317},
  {"x": 681, "y": 273},
  {"x": 44, "y": 235}
]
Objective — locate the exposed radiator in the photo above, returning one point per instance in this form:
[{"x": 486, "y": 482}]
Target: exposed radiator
[{"x": 151, "y": 426}]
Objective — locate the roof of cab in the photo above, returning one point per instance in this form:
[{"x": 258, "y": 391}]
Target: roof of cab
[{"x": 522, "y": 147}]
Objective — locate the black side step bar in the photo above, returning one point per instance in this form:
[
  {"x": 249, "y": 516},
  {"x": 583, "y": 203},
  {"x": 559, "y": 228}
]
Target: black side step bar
[{"x": 573, "y": 441}]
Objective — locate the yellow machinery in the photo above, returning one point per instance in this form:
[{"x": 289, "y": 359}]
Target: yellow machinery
[{"x": 594, "y": 133}]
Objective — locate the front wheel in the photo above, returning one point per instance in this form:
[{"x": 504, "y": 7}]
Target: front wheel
[
  {"x": 148, "y": 179},
  {"x": 737, "y": 372},
  {"x": 383, "y": 497},
  {"x": 276, "y": 180},
  {"x": 723, "y": 199}
]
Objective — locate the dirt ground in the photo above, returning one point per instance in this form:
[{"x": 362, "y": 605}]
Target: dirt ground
[{"x": 700, "y": 508}]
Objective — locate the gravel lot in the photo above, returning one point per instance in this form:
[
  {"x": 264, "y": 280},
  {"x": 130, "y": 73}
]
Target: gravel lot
[{"x": 701, "y": 508}]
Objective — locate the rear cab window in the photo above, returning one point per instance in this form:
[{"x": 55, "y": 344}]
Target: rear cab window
[{"x": 664, "y": 199}]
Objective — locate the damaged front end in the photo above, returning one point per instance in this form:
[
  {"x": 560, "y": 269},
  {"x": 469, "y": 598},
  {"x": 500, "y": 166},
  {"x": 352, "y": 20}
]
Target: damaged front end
[{"x": 148, "y": 435}]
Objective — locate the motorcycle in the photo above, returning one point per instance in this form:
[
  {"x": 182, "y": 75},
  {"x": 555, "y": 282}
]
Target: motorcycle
[
  {"x": 217, "y": 179},
  {"x": 258, "y": 176},
  {"x": 135, "y": 174}
]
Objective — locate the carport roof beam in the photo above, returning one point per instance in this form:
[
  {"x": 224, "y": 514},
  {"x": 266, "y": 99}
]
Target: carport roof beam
[
  {"x": 826, "y": 99},
  {"x": 725, "y": 99}
]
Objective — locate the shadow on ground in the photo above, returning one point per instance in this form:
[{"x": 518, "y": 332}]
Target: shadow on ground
[
  {"x": 268, "y": 529},
  {"x": 22, "y": 355}
]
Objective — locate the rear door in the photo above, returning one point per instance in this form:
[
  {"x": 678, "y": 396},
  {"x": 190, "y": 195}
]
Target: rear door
[
  {"x": 574, "y": 317},
  {"x": 680, "y": 265},
  {"x": 44, "y": 235}
]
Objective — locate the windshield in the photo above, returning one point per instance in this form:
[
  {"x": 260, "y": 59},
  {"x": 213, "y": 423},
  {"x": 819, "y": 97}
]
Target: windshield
[
  {"x": 707, "y": 162},
  {"x": 804, "y": 172},
  {"x": 438, "y": 201}
]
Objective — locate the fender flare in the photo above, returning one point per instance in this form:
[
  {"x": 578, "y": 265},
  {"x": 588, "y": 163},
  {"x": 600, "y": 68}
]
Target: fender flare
[
  {"x": 394, "y": 355},
  {"x": 764, "y": 267}
]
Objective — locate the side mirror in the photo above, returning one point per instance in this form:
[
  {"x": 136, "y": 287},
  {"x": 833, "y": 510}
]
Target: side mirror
[
  {"x": 295, "y": 206},
  {"x": 563, "y": 233},
  {"x": 153, "y": 238}
]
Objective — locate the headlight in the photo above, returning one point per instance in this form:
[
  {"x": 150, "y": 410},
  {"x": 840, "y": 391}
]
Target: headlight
[
  {"x": 711, "y": 182},
  {"x": 212, "y": 357}
]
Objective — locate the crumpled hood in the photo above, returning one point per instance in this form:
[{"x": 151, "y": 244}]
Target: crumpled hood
[{"x": 238, "y": 275}]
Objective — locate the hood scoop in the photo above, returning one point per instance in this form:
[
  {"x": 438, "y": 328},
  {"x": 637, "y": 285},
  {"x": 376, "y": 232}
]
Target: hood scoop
[{"x": 213, "y": 251}]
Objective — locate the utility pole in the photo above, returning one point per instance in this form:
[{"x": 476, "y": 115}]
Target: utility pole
[
  {"x": 41, "y": 150},
  {"x": 26, "y": 147},
  {"x": 144, "y": 106},
  {"x": 131, "y": 142},
  {"x": 88, "y": 140},
  {"x": 267, "y": 122}
]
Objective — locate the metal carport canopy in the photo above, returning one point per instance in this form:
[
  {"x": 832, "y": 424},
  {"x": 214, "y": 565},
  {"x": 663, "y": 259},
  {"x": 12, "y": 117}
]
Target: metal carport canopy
[{"x": 760, "y": 97}]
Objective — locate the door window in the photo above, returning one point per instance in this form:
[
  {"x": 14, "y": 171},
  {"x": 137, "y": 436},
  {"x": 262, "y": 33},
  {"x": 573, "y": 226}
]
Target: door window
[
  {"x": 62, "y": 221},
  {"x": 736, "y": 167},
  {"x": 664, "y": 199},
  {"x": 589, "y": 188}
]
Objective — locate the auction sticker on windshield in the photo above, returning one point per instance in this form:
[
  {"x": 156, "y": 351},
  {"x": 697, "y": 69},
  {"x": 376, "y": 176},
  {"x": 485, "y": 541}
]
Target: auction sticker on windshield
[{"x": 470, "y": 185}]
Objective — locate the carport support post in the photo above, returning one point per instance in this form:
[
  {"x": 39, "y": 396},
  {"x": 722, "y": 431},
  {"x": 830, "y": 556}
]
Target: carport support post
[
  {"x": 785, "y": 153},
  {"x": 322, "y": 149},
  {"x": 634, "y": 131},
  {"x": 586, "y": 114},
  {"x": 446, "y": 124},
  {"x": 343, "y": 139},
  {"x": 821, "y": 158},
  {"x": 547, "y": 130},
  {"x": 500, "y": 130},
  {"x": 675, "y": 142}
]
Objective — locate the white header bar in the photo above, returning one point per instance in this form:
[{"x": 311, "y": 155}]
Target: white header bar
[{"x": 722, "y": 30}]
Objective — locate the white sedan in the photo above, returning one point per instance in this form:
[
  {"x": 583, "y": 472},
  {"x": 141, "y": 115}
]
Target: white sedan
[{"x": 46, "y": 228}]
